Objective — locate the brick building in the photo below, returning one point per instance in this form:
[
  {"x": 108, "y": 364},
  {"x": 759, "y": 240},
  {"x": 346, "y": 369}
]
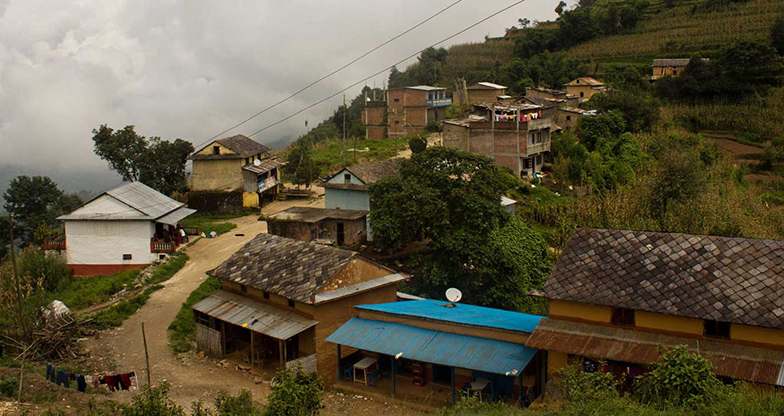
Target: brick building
[
  {"x": 559, "y": 97},
  {"x": 584, "y": 87},
  {"x": 404, "y": 111},
  {"x": 281, "y": 298},
  {"x": 485, "y": 92},
  {"x": 516, "y": 136},
  {"x": 568, "y": 117},
  {"x": 342, "y": 227}
]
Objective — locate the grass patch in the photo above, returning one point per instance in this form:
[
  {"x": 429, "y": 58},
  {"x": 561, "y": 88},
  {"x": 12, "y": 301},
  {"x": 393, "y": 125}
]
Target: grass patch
[
  {"x": 327, "y": 153},
  {"x": 83, "y": 293},
  {"x": 182, "y": 331},
  {"x": 114, "y": 316},
  {"x": 209, "y": 222}
]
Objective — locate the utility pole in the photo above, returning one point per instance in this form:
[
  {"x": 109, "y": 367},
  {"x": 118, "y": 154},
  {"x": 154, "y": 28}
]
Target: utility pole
[
  {"x": 146, "y": 356},
  {"x": 344, "y": 121},
  {"x": 18, "y": 303}
]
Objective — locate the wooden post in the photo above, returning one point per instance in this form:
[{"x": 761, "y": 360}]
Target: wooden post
[
  {"x": 280, "y": 347},
  {"x": 452, "y": 371},
  {"x": 340, "y": 373},
  {"x": 252, "y": 350},
  {"x": 146, "y": 356},
  {"x": 520, "y": 389},
  {"x": 21, "y": 382},
  {"x": 394, "y": 373}
]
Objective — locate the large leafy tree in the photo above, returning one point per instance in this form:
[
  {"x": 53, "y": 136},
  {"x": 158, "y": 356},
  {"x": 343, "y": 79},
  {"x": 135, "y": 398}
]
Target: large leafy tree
[
  {"x": 300, "y": 167},
  {"x": 36, "y": 201},
  {"x": 451, "y": 200},
  {"x": 157, "y": 163}
]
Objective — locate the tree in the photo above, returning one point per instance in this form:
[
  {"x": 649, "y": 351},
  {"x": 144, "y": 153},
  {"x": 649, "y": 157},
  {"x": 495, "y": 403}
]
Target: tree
[
  {"x": 680, "y": 378},
  {"x": 294, "y": 393},
  {"x": 593, "y": 130},
  {"x": 300, "y": 167},
  {"x": 417, "y": 144},
  {"x": 640, "y": 111},
  {"x": 626, "y": 78},
  {"x": 157, "y": 163},
  {"x": 777, "y": 35},
  {"x": 35, "y": 201},
  {"x": 559, "y": 9}
]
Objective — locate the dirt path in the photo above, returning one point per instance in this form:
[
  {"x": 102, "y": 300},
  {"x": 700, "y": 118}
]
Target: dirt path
[{"x": 122, "y": 350}]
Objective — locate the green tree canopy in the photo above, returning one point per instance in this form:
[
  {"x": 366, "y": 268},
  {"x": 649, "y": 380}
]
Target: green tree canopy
[
  {"x": 300, "y": 167},
  {"x": 157, "y": 163},
  {"x": 777, "y": 35},
  {"x": 36, "y": 201}
]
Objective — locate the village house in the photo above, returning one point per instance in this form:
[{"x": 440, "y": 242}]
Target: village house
[
  {"x": 515, "y": 135},
  {"x": 429, "y": 350},
  {"x": 559, "y": 97},
  {"x": 617, "y": 296},
  {"x": 584, "y": 87},
  {"x": 568, "y": 117},
  {"x": 404, "y": 111},
  {"x": 126, "y": 227},
  {"x": 486, "y": 92},
  {"x": 347, "y": 189},
  {"x": 341, "y": 227},
  {"x": 233, "y": 173},
  {"x": 281, "y": 298}
]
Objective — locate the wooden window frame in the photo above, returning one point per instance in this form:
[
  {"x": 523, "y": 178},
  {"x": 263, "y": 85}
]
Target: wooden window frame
[
  {"x": 623, "y": 317},
  {"x": 717, "y": 329}
]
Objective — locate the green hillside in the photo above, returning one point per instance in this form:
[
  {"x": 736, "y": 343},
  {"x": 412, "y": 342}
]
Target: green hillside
[{"x": 679, "y": 31}]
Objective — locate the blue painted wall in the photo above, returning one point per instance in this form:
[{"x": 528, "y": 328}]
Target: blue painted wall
[{"x": 345, "y": 199}]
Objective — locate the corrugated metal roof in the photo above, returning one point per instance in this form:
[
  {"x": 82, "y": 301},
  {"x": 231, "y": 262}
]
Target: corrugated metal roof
[
  {"x": 175, "y": 216},
  {"x": 256, "y": 316},
  {"x": 357, "y": 288},
  {"x": 145, "y": 204},
  {"x": 265, "y": 165},
  {"x": 491, "y": 85},
  {"x": 424, "y": 88},
  {"x": 461, "y": 313},
  {"x": 737, "y": 361},
  {"x": 436, "y": 347},
  {"x": 507, "y": 201}
]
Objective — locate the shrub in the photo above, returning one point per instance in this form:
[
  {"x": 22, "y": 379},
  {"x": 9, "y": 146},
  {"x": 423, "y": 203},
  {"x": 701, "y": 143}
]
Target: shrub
[
  {"x": 9, "y": 387},
  {"x": 417, "y": 144},
  {"x": 182, "y": 330},
  {"x": 432, "y": 126},
  {"x": 581, "y": 386},
  {"x": 680, "y": 378},
  {"x": 239, "y": 405},
  {"x": 153, "y": 401},
  {"x": 294, "y": 393}
]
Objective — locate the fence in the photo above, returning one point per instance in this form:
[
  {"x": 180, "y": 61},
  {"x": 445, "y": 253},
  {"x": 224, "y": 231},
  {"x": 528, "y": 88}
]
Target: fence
[
  {"x": 191, "y": 230},
  {"x": 209, "y": 341},
  {"x": 54, "y": 244},
  {"x": 161, "y": 247}
]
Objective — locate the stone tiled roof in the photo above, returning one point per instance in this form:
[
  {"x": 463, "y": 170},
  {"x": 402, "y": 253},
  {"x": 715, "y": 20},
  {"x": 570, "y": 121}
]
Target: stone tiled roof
[
  {"x": 242, "y": 145},
  {"x": 677, "y": 62},
  {"x": 289, "y": 268},
  {"x": 375, "y": 171},
  {"x": 585, "y": 81},
  {"x": 738, "y": 280}
]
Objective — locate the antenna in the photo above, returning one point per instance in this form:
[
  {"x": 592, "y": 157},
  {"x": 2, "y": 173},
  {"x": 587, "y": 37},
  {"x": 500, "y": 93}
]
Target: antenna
[
  {"x": 454, "y": 295},
  {"x": 257, "y": 162}
]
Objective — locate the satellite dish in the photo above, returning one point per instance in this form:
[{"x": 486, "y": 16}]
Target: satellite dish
[
  {"x": 257, "y": 162},
  {"x": 453, "y": 295}
]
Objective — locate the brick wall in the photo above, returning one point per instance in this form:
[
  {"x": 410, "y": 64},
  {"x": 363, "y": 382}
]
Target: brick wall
[
  {"x": 416, "y": 116},
  {"x": 455, "y": 137},
  {"x": 505, "y": 142},
  {"x": 484, "y": 96},
  {"x": 373, "y": 116},
  {"x": 510, "y": 162},
  {"x": 331, "y": 316},
  {"x": 415, "y": 98},
  {"x": 376, "y": 132},
  {"x": 481, "y": 142}
]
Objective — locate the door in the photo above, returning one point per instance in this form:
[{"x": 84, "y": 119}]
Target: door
[{"x": 341, "y": 234}]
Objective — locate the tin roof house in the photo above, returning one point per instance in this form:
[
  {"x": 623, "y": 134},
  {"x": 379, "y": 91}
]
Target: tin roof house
[{"x": 126, "y": 227}]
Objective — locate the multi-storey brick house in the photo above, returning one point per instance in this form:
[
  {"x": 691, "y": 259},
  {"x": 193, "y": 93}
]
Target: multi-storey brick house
[
  {"x": 515, "y": 135},
  {"x": 281, "y": 298},
  {"x": 485, "y": 92},
  {"x": 405, "y": 111},
  {"x": 618, "y": 296}
]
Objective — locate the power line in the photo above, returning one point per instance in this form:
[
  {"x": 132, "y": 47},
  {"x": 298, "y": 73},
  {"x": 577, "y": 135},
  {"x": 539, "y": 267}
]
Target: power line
[
  {"x": 388, "y": 68},
  {"x": 331, "y": 73}
]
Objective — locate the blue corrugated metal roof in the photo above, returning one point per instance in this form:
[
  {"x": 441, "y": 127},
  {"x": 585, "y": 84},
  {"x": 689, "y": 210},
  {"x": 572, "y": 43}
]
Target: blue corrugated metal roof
[
  {"x": 436, "y": 347},
  {"x": 461, "y": 314}
]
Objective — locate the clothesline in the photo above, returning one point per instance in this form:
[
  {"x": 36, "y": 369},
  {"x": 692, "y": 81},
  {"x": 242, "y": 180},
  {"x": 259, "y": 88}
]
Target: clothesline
[
  {"x": 113, "y": 382},
  {"x": 523, "y": 117}
]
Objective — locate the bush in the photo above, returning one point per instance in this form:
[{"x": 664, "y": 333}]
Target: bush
[
  {"x": 294, "y": 393},
  {"x": 239, "y": 405},
  {"x": 680, "y": 378},
  {"x": 417, "y": 144},
  {"x": 9, "y": 387},
  {"x": 51, "y": 270},
  {"x": 432, "y": 126},
  {"x": 153, "y": 401},
  {"x": 581, "y": 386}
]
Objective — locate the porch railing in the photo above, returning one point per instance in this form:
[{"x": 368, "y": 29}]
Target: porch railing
[
  {"x": 191, "y": 230},
  {"x": 161, "y": 247},
  {"x": 54, "y": 244}
]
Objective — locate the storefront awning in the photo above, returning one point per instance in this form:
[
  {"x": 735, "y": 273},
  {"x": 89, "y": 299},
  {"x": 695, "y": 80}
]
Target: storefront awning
[
  {"x": 175, "y": 216},
  {"x": 257, "y": 316},
  {"x": 435, "y": 347},
  {"x": 741, "y": 362}
]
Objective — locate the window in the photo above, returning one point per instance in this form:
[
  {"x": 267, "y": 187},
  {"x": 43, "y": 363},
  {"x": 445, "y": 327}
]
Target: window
[
  {"x": 568, "y": 118},
  {"x": 582, "y": 94},
  {"x": 244, "y": 288},
  {"x": 539, "y": 160},
  {"x": 397, "y": 100},
  {"x": 291, "y": 303},
  {"x": 397, "y": 122},
  {"x": 215, "y": 150},
  {"x": 717, "y": 329},
  {"x": 347, "y": 178},
  {"x": 526, "y": 163},
  {"x": 266, "y": 295},
  {"x": 127, "y": 257},
  {"x": 622, "y": 317}
]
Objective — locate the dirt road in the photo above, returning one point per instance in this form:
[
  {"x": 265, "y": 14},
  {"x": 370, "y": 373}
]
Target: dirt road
[{"x": 122, "y": 349}]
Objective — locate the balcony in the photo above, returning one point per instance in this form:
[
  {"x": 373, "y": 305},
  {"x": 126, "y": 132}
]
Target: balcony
[
  {"x": 443, "y": 102},
  {"x": 191, "y": 230},
  {"x": 54, "y": 243},
  {"x": 162, "y": 247},
  {"x": 533, "y": 149}
]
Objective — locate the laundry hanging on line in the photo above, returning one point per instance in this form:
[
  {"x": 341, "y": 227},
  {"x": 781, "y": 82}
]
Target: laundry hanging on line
[{"x": 122, "y": 381}]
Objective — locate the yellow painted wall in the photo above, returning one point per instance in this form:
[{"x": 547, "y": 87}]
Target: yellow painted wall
[
  {"x": 250, "y": 200},
  {"x": 555, "y": 361},
  {"x": 668, "y": 323},
  {"x": 217, "y": 175},
  {"x": 757, "y": 335},
  {"x": 587, "y": 91},
  {"x": 593, "y": 313}
]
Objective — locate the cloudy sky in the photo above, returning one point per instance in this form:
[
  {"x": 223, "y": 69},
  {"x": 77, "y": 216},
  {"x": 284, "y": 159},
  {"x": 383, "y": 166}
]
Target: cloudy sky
[{"x": 190, "y": 68}]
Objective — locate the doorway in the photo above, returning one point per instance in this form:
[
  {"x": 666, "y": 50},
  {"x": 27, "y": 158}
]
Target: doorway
[{"x": 341, "y": 234}]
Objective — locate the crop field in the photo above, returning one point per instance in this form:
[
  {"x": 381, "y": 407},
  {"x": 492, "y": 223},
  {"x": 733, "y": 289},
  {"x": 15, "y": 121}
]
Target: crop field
[
  {"x": 468, "y": 57},
  {"x": 678, "y": 32}
]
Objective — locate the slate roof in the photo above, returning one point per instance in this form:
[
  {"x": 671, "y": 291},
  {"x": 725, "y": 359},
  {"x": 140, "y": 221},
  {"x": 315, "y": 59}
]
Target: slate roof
[
  {"x": 737, "y": 280},
  {"x": 367, "y": 173},
  {"x": 286, "y": 267},
  {"x": 314, "y": 215},
  {"x": 244, "y": 147}
]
